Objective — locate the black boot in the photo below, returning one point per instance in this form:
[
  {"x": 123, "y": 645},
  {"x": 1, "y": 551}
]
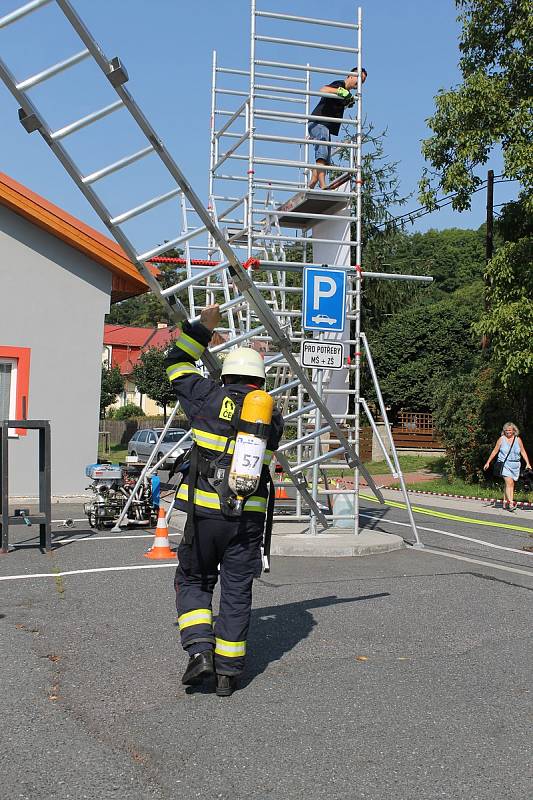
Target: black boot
[
  {"x": 198, "y": 668},
  {"x": 226, "y": 685}
]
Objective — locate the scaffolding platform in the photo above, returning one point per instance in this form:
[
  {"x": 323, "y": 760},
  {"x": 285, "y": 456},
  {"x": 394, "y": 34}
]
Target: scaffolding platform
[{"x": 311, "y": 201}]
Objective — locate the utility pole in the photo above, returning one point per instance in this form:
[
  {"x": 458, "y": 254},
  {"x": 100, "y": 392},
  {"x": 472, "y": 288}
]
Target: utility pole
[{"x": 489, "y": 242}]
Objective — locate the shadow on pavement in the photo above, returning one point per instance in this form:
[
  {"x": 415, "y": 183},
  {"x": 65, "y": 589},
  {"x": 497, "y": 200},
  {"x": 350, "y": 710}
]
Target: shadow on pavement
[{"x": 275, "y": 630}]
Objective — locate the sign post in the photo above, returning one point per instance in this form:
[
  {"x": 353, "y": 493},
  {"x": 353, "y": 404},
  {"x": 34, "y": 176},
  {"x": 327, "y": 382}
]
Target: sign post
[{"x": 324, "y": 309}]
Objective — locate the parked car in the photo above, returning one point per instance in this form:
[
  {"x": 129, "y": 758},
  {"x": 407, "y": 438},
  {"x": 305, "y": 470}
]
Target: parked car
[{"x": 143, "y": 442}]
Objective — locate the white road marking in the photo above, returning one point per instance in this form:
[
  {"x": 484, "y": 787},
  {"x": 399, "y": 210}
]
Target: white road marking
[
  {"x": 84, "y": 571},
  {"x": 96, "y": 538},
  {"x": 367, "y": 516},
  {"x": 431, "y": 551},
  {"x": 449, "y": 533}
]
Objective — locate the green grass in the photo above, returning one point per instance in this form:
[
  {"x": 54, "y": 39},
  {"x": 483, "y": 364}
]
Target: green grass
[
  {"x": 408, "y": 464},
  {"x": 118, "y": 453},
  {"x": 457, "y": 486}
]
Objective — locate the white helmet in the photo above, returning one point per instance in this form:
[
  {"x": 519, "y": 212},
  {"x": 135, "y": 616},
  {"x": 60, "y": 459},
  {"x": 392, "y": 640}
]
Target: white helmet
[{"x": 244, "y": 361}]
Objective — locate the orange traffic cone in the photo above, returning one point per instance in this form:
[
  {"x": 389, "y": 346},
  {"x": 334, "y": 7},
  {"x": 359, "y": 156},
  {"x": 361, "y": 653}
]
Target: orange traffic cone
[
  {"x": 161, "y": 545},
  {"x": 281, "y": 493}
]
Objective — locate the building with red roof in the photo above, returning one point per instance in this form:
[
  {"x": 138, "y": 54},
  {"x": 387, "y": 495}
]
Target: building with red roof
[{"x": 123, "y": 345}]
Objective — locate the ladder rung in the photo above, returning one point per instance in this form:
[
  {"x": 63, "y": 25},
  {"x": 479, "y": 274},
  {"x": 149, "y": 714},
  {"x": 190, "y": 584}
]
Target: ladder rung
[
  {"x": 237, "y": 339},
  {"x": 84, "y": 121},
  {"x": 158, "y": 250},
  {"x": 224, "y": 307},
  {"x": 309, "y": 20},
  {"x": 39, "y": 77},
  {"x": 272, "y": 287},
  {"x": 308, "y": 409},
  {"x": 285, "y": 387},
  {"x": 192, "y": 280},
  {"x": 298, "y": 43},
  {"x": 306, "y": 464},
  {"x": 308, "y": 438},
  {"x": 274, "y": 360},
  {"x": 21, "y": 12},
  {"x": 124, "y": 162},
  {"x": 302, "y": 165},
  {"x": 155, "y": 201}
]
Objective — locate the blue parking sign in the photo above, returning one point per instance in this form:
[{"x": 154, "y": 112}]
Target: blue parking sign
[{"x": 324, "y": 307}]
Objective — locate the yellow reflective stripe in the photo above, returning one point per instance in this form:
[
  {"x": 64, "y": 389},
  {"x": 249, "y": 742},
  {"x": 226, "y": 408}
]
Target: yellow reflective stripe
[
  {"x": 211, "y": 441},
  {"x": 201, "y": 498},
  {"x": 211, "y": 499},
  {"x": 190, "y": 346},
  {"x": 183, "y": 368},
  {"x": 230, "y": 649},
  {"x": 200, "y": 616},
  {"x": 255, "y": 503}
]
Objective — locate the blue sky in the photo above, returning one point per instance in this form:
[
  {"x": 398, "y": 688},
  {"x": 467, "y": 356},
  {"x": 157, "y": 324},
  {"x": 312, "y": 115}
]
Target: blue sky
[{"x": 410, "y": 51}]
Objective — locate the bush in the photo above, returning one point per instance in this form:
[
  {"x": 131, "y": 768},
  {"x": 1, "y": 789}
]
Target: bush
[
  {"x": 128, "y": 411},
  {"x": 422, "y": 348},
  {"x": 469, "y": 413}
]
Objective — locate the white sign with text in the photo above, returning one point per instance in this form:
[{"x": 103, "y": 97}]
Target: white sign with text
[{"x": 322, "y": 354}]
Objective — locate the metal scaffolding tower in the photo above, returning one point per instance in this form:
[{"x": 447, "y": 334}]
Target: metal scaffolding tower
[{"x": 285, "y": 225}]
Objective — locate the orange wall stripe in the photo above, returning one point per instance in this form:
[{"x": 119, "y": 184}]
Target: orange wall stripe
[{"x": 22, "y": 355}]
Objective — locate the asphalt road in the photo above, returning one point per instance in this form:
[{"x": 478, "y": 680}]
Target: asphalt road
[{"x": 405, "y": 675}]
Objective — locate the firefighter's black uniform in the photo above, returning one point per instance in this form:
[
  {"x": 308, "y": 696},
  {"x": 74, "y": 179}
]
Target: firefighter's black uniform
[{"x": 233, "y": 543}]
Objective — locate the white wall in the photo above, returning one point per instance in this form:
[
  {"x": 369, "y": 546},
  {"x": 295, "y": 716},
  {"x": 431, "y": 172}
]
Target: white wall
[{"x": 53, "y": 300}]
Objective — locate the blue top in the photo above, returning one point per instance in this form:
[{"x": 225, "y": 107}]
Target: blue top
[{"x": 511, "y": 468}]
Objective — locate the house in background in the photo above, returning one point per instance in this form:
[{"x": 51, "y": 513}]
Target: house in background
[
  {"x": 123, "y": 345},
  {"x": 58, "y": 278}
]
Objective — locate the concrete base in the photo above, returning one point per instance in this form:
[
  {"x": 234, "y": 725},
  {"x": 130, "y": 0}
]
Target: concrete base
[{"x": 337, "y": 543}]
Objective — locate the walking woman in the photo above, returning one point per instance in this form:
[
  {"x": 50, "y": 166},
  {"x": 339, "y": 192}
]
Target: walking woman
[{"x": 508, "y": 450}]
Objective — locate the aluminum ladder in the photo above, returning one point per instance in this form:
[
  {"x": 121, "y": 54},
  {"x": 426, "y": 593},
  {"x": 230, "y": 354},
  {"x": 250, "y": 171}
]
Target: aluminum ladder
[{"x": 116, "y": 76}]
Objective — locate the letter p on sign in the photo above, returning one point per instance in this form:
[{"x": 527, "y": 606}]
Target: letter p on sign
[{"x": 328, "y": 290}]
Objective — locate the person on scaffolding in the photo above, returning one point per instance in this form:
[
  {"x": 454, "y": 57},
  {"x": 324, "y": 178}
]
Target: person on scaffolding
[{"x": 333, "y": 106}]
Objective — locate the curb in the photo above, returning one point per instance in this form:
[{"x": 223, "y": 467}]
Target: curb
[
  {"x": 335, "y": 544},
  {"x": 519, "y": 503}
]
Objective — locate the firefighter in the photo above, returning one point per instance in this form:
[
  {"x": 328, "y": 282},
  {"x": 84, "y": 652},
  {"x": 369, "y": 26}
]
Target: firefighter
[{"x": 217, "y": 531}]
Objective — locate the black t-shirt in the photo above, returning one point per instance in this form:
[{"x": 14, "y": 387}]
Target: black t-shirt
[{"x": 331, "y": 106}]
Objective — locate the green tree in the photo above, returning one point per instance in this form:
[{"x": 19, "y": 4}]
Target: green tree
[
  {"x": 129, "y": 411},
  {"x": 421, "y": 348},
  {"x": 509, "y": 317},
  {"x": 470, "y": 410},
  {"x": 492, "y": 106},
  {"x": 381, "y": 233},
  {"x": 112, "y": 384},
  {"x": 151, "y": 378},
  {"x": 146, "y": 310},
  {"x": 453, "y": 258}
]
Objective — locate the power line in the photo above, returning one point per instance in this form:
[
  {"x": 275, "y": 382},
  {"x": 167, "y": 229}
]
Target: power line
[{"x": 445, "y": 201}]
